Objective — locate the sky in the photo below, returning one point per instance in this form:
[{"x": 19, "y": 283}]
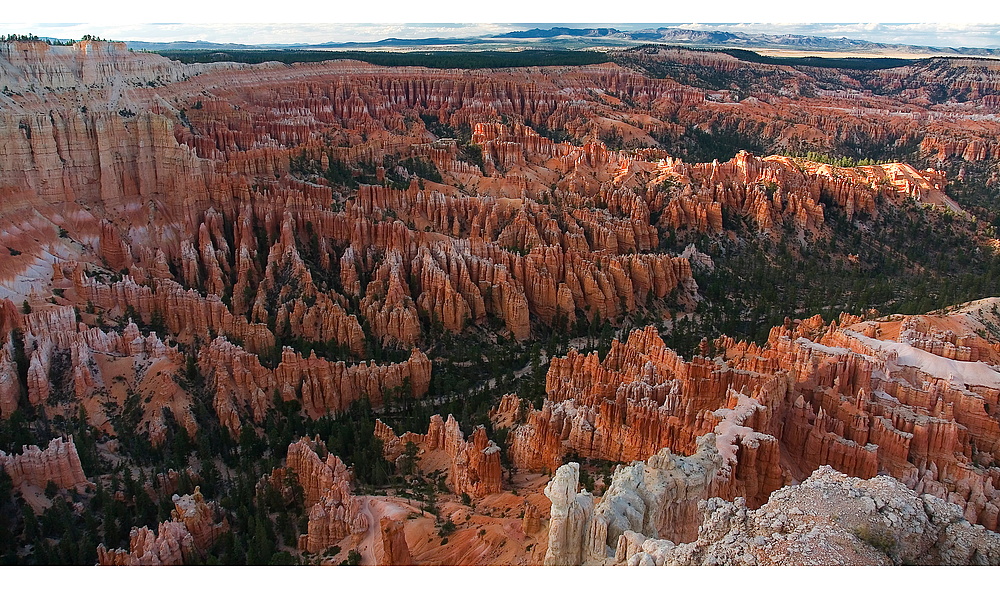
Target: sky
[
  {"x": 948, "y": 35},
  {"x": 959, "y": 22}
]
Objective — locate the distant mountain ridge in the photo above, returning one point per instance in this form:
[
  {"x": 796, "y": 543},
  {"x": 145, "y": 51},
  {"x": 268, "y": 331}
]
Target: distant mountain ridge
[
  {"x": 674, "y": 36},
  {"x": 578, "y": 38}
]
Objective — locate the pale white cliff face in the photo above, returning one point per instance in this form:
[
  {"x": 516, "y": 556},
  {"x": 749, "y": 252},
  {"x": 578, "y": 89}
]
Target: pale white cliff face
[
  {"x": 649, "y": 497},
  {"x": 38, "y": 67},
  {"x": 570, "y": 516},
  {"x": 562, "y": 488},
  {"x": 622, "y": 508},
  {"x": 644, "y": 497},
  {"x": 829, "y": 519}
]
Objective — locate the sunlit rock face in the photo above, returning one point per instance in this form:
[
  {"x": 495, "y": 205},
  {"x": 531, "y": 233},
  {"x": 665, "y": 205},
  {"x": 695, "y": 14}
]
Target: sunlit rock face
[{"x": 896, "y": 401}]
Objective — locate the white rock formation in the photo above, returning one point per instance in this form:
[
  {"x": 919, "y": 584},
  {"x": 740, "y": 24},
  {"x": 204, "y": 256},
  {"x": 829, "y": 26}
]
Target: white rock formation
[
  {"x": 569, "y": 517},
  {"x": 645, "y": 497},
  {"x": 830, "y": 519}
]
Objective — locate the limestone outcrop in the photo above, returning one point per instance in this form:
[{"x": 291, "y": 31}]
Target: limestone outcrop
[
  {"x": 569, "y": 518},
  {"x": 829, "y": 519},
  {"x": 657, "y": 498}
]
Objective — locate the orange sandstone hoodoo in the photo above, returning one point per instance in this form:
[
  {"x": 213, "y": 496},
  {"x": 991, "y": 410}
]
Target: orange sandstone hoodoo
[{"x": 164, "y": 221}]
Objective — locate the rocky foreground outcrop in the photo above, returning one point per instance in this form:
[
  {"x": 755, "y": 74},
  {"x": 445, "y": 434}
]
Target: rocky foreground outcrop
[
  {"x": 657, "y": 497},
  {"x": 864, "y": 397},
  {"x": 829, "y": 519}
]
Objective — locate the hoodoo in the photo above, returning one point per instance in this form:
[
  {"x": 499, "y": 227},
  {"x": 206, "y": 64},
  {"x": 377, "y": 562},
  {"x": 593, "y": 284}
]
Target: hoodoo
[{"x": 666, "y": 307}]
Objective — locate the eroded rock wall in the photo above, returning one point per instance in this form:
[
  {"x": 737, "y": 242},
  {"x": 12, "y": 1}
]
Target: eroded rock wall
[
  {"x": 474, "y": 464},
  {"x": 194, "y": 526},
  {"x": 58, "y": 463},
  {"x": 334, "y": 512}
]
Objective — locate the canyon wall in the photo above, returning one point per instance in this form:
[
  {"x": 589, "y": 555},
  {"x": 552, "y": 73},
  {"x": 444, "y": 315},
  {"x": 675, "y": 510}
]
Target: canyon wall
[{"x": 277, "y": 208}]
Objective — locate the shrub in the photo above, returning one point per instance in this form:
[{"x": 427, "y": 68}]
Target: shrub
[{"x": 880, "y": 540}]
